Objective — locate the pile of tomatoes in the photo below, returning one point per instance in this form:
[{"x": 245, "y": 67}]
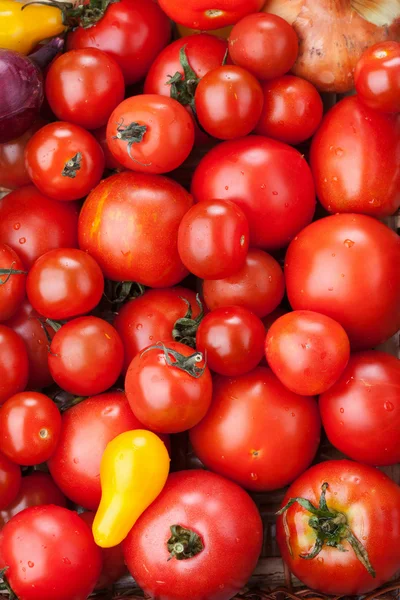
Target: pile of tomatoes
[{"x": 237, "y": 312}]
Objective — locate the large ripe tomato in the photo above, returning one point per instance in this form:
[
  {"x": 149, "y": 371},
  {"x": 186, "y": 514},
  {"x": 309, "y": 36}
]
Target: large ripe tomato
[
  {"x": 65, "y": 283},
  {"x": 239, "y": 437},
  {"x": 14, "y": 366},
  {"x": 13, "y": 173},
  {"x": 361, "y": 501},
  {"x": 226, "y": 537},
  {"x": 269, "y": 180},
  {"x": 143, "y": 321},
  {"x": 50, "y": 554},
  {"x": 129, "y": 224},
  {"x": 354, "y": 159},
  {"x": 10, "y": 481},
  {"x": 258, "y": 286},
  {"x": 169, "y": 387},
  {"x": 361, "y": 412},
  {"x": 12, "y": 282},
  {"x": 133, "y": 32},
  {"x": 377, "y": 77},
  {"x": 346, "y": 267},
  {"x": 84, "y": 86},
  {"x": 32, "y": 223},
  {"x": 209, "y": 14},
  {"x": 86, "y": 430},
  {"x": 86, "y": 356}
]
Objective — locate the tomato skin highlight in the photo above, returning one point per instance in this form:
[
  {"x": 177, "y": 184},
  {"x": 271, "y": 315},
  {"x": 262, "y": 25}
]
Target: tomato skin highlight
[
  {"x": 377, "y": 77},
  {"x": 14, "y": 365},
  {"x": 12, "y": 287},
  {"x": 10, "y": 481}
]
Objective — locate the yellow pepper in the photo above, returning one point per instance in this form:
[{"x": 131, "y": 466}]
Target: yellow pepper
[
  {"x": 133, "y": 472},
  {"x": 22, "y": 27}
]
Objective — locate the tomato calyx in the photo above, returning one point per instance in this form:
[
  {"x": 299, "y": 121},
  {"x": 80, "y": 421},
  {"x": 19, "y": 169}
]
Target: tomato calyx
[
  {"x": 185, "y": 329},
  {"x": 87, "y": 15},
  {"x": 72, "y": 166},
  {"x": 119, "y": 292},
  {"x": 9, "y": 272},
  {"x": 6, "y": 586},
  {"x": 183, "y": 87},
  {"x": 181, "y": 362},
  {"x": 184, "y": 543},
  {"x": 133, "y": 134},
  {"x": 331, "y": 528}
]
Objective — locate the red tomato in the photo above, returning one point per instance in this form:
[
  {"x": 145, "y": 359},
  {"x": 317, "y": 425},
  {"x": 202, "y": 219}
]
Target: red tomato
[
  {"x": 65, "y": 283},
  {"x": 139, "y": 128},
  {"x": 272, "y": 317},
  {"x": 86, "y": 430},
  {"x": 292, "y": 110},
  {"x": 269, "y": 180},
  {"x": 13, "y": 173},
  {"x": 239, "y": 440},
  {"x": 86, "y": 356},
  {"x": 354, "y": 160},
  {"x": 258, "y": 286},
  {"x": 209, "y": 14},
  {"x": 229, "y": 102},
  {"x": 232, "y": 339},
  {"x": 143, "y": 321},
  {"x": 129, "y": 224},
  {"x": 133, "y": 32},
  {"x": 64, "y": 161},
  {"x": 361, "y": 412},
  {"x": 111, "y": 163},
  {"x": 377, "y": 77},
  {"x": 213, "y": 239},
  {"x": 14, "y": 366},
  {"x": 222, "y": 556},
  {"x": 12, "y": 282},
  {"x": 307, "y": 351},
  {"x": 264, "y": 44},
  {"x": 49, "y": 553},
  {"x": 346, "y": 267},
  {"x": 84, "y": 86},
  {"x": 30, "y": 426},
  {"x": 32, "y": 223},
  {"x": 10, "y": 481},
  {"x": 368, "y": 503},
  {"x": 169, "y": 387}
]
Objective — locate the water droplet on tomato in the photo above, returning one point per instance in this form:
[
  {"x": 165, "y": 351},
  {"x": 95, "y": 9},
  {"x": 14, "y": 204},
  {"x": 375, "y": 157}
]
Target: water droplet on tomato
[
  {"x": 30, "y": 564},
  {"x": 76, "y": 460},
  {"x": 320, "y": 560},
  {"x": 330, "y": 289},
  {"x": 274, "y": 193},
  {"x": 388, "y": 406},
  {"x": 342, "y": 410},
  {"x": 286, "y": 204},
  {"x": 254, "y": 476},
  {"x": 339, "y": 151},
  {"x": 263, "y": 186},
  {"x": 227, "y": 187},
  {"x": 22, "y": 240},
  {"x": 17, "y": 226},
  {"x": 293, "y": 415},
  {"x": 349, "y": 243},
  {"x": 66, "y": 561},
  {"x": 269, "y": 277},
  {"x": 139, "y": 326}
]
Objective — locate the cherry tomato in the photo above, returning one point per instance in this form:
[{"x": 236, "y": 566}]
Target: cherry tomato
[
  {"x": 361, "y": 412},
  {"x": 14, "y": 367},
  {"x": 213, "y": 239},
  {"x": 111, "y": 163},
  {"x": 133, "y": 32},
  {"x": 10, "y": 481},
  {"x": 229, "y": 102},
  {"x": 238, "y": 438},
  {"x": 354, "y": 160},
  {"x": 346, "y": 267},
  {"x": 13, "y": 173},
  {"x": 129, "y": 224},
  {"x": 65, "y": 283},
  {"x": 169, "y": 387},
  {"x": 84, "y": 86},
  {"x": 64, "y": 161},
  {"x": 12, "y": 282},
  {"x": 377, "y": 77},
  {"x": 86, "y": 356},
  {"x": 307, "y": 351},
  {"x": 150, "y": 133},
  {"x": 49, "y": 553},
  {"x": 264, "y": 44},
  {"x": 32, "y": 223},
  {"x": 292, "y": 110},
  {"x": 209, "y": 14},
  {"x": 232, "y": 338},
  {"x": 30, "y": 425},
  {"x": 269, "y": 180},
  {"x": 258, "y": 286}
]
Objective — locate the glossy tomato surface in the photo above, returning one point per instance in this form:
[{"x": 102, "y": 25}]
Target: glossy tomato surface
[
  {"x": 206, "y": 14},
  {"x": 377, "y": 77},
  {"x": 12, "y": 282},
  {"x": 13, "y": 173},
  {"x": 10, "y": 481},
  {"x": 14, "y": 366}
]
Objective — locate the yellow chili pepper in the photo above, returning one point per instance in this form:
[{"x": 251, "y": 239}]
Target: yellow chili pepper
[{"x": 133, "y": 471}]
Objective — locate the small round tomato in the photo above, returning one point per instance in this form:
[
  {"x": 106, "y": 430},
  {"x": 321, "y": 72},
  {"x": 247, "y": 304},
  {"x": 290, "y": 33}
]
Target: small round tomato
[
  {"x": 377, "y": 77},
  {"x": 229, "y": 102},
  {"x": 264, "y": 44},
  {"x": 13, "y": 173},
  {"x": 10, "y": 481},
  {"x": 361, "y": 412},
  {"x": 84, "y": 86},
  {"x": 150, "y": 134},
  {"x": 169, "y": 387},
  {"x": 307, "y": 351},
  {"x": 30, "y": 425},
  {"x": 292, "y": 110},
  {"x": 86, "y": 356},
  {"x": 12, "y": 282},
  {"x": 14, "y": 366},
  {"x": 213, "y": 239},
  {"x": 209, "y": 14},
  {"x": 64, "y": 161},
  {"x": 32, "y": 223},
  {"x": 258, "y": 286},
  {"x": 65, "y": 283},
  {"x": 49, "y": 553},
  {"x": 238, "y": 438},
  {"x": 111, "y": 163}
]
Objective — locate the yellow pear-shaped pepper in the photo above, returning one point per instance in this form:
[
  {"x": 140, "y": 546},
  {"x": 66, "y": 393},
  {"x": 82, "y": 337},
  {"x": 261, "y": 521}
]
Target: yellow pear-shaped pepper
[{"x": 133, "y": 471}]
